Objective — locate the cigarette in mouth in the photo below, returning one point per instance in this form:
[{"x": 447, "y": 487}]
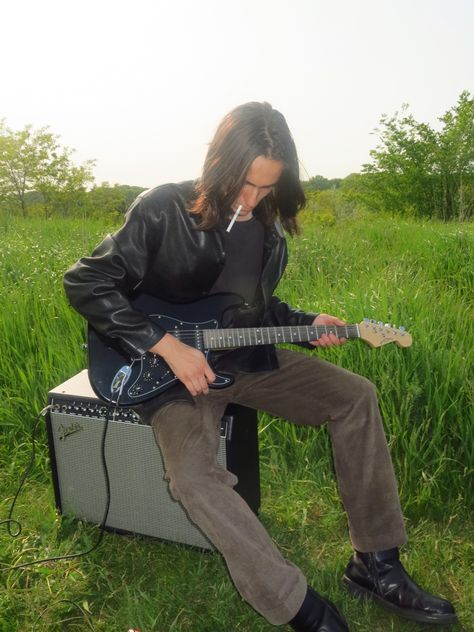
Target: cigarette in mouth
[{"x": 234, "y": 217}]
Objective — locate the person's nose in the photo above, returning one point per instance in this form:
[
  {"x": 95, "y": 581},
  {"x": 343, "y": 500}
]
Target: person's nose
[{"x": 250, "y": 197}]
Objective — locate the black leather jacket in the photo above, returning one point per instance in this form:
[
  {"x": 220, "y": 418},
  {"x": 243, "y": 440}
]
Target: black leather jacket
[{"x": 160, "y": 251}]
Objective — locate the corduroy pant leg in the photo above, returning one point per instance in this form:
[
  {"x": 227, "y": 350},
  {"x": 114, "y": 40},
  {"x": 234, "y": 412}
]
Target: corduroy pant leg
[
  {"x": 309, "y": 391},
  {"x": 188, "y": 437}
]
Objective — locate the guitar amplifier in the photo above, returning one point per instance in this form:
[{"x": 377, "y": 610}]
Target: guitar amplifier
[{"x": 139, "y": 498}]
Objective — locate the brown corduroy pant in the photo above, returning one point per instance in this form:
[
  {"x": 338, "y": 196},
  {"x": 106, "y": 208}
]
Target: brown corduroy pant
[{"x": 304, "y": 390}]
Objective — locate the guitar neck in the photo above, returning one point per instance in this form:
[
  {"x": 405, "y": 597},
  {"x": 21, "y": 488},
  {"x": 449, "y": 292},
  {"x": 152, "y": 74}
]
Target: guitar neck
[{"x": 215, "y": 339}]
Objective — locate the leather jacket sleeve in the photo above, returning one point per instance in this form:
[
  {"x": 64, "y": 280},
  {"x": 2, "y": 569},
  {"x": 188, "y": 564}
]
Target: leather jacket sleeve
[
  {"x": 280, "y": 313},
  {"x": 97, "y": 286}
]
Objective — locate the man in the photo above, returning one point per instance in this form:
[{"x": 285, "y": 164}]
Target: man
[{"x": 181, "y": 242}]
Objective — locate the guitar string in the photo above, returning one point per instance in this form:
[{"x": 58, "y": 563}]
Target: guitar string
[
  {"x": 319, "y": 329},
  {"x": 294, "y": 333}
]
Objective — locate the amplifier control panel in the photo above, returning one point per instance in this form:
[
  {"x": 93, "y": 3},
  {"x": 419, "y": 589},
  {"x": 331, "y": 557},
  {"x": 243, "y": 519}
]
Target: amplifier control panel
[{"x": 98, "y": 410}]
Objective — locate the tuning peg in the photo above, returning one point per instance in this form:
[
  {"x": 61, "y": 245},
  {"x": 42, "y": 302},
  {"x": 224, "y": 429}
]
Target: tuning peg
[
  {"x": 402, "y": 328},
  {"x": 366, "y": 321},
  {"x": 387, "y": 325}
]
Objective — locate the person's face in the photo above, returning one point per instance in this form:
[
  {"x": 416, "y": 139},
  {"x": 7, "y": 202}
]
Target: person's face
[{"x": 262, "y": 176}]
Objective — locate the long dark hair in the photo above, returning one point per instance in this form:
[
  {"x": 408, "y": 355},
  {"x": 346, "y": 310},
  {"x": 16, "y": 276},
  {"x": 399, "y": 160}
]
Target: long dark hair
[{"x": 250, "y": 130}]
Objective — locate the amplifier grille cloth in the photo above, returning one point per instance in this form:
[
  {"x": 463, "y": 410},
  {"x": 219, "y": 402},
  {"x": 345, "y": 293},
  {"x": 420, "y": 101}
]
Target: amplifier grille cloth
[{"x": 139, "y": 498}]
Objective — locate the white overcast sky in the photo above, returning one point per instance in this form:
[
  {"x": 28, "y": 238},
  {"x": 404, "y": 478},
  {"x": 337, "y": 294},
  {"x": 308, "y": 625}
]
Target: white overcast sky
[{"x": 141, "y": 85}]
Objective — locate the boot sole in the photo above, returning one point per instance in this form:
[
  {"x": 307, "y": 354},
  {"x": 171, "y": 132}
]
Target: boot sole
[{"x": 413, "y": 615}]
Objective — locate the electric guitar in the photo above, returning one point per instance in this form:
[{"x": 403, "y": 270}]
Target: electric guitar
[{"x": 117, "y": 378}]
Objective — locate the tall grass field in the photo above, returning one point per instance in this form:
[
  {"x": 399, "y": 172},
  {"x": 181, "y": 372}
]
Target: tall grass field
[{"x": 402, "y": 272}]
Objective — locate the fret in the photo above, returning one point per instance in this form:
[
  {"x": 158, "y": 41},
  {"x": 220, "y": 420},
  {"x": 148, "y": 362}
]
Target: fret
[{"x": 208, "y": 339}]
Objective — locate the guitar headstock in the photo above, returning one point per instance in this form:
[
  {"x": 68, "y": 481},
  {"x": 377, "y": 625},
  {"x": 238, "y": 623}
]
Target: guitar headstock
[{"x": 377, "y": 334}]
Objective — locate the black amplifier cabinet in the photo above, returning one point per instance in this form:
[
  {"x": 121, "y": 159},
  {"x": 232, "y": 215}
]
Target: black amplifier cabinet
[{"x": 139, "y": 498}]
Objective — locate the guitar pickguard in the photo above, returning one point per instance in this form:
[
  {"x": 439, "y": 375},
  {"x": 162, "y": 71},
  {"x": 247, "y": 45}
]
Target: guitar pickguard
[{"x": 152, "y": 374}]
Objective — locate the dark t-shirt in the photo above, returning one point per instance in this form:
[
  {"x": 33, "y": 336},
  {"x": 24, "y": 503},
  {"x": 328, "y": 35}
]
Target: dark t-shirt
[{"x": 243, "y": 261}]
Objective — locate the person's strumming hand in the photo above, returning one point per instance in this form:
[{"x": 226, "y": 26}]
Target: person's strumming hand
[{"x": 187, "y": 363}]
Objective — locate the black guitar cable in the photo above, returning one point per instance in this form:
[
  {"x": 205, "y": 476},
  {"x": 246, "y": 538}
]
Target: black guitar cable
[{"x": 9, "y": 521}]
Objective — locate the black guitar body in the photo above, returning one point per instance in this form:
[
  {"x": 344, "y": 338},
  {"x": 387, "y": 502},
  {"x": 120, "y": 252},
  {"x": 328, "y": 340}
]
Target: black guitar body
[{"x": 115, "y": 376}]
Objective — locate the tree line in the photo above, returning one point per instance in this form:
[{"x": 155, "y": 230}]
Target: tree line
[
  {"x": 38, "y": 177},
  {"x": 414, "y": 170}
]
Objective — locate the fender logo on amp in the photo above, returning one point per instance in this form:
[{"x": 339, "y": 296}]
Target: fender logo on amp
[{"x": 65, "y": 431}]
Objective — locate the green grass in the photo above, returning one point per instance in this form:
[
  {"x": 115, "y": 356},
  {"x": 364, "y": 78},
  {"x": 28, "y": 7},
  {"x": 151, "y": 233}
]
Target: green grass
[
  {"x": 403, "y": 272},
  {"x": 420, "y": 276}
]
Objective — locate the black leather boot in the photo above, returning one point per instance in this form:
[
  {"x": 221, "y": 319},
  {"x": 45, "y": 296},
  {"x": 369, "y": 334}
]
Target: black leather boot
[
  {"x": 318, "y": 615},
  {"x": 382, "y": 577}
]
